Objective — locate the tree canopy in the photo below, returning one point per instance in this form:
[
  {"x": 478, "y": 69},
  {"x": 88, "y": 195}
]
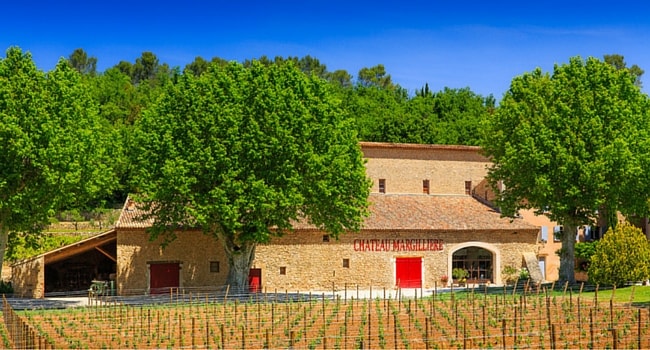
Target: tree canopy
[
  {"x": 52, "y": 148},
  {"x": 571, "y": 145},
  {"x": 243, "y": 152}
]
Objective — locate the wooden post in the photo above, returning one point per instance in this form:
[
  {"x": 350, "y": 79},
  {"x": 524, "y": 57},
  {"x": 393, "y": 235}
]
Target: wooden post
[
  {"x": 426, "y": 333},
  {"x": 193, "y": 334},
  {"x": 223, "y": 340},
  {"x": 464, "y": 333},
  {"x": 553, "y": 337},
  {"x": 503, "y": 332},
  {"x": 395, "y": 330}
]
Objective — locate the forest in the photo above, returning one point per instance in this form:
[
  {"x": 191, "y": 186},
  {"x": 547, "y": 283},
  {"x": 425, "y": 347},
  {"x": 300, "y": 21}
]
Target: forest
[{"x": 382, "y": 109}]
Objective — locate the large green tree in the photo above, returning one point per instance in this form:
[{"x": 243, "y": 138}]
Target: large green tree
[
  {"x": 243, "y": 152},
  {"x": 571, "y": 144},
  {"x": 52, "y": 150}
]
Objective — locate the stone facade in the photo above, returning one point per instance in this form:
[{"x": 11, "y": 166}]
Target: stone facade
[
  {"x": 313, "y": 264},
  {"x": 404, "y": 167},
  {"x": 434, "y": 227},
  {"x": 28, "y": 278},
  {"x": 192, "y": 250}
]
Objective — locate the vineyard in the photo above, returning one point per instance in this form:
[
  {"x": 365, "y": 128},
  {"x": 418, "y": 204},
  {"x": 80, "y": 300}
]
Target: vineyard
[{"x": 270, "y": 320}]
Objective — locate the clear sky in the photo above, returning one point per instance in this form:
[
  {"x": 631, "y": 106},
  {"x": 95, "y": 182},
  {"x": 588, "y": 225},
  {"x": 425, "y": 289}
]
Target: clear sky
[{"x": 477, "y": 44}]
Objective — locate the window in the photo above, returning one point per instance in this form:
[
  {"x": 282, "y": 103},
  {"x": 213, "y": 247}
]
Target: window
[
  {"x": 214, "y": 266},
  {"x": 544, "y": 236},
  {"x": 468, "y": 187},
  {"x": 346, "y": 263},
  {"x": 425, "y": 186},
  {"x": 557, "y": 233},
  {"x": 283, "y": 270},
  {"x": 326, "y": 238},
  {"x": 382, "y": 185}
]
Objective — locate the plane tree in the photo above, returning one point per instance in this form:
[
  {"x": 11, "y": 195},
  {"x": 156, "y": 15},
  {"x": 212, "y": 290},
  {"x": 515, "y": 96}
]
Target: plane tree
[
  {"x": 244, "y": 152},
  {"x": 572, "y": 145},
  {"x": 53, "y": 150}
]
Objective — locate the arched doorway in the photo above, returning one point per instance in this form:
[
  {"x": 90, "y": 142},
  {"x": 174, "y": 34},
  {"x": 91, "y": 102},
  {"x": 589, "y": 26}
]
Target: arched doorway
[{"x": 477, "y": 261}]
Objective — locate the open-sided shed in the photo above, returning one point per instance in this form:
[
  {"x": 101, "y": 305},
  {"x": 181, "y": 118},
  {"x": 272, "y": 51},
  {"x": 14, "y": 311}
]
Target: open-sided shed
[{"x": 69, "y": 269}]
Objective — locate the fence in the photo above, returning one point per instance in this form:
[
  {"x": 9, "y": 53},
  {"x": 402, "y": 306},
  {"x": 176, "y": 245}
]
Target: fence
[{"x": 473, "y": 318}]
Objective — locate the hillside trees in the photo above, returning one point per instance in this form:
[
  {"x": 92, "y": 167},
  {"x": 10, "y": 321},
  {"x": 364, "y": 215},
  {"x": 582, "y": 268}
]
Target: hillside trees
[
  {"x": 243, "y": 152},
  {"x": 571, "y": 145},
  {"x": 52, "y": 148},
  {"x": 80, "y": 61}
]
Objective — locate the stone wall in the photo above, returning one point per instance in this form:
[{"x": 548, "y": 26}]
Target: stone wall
[
  {"x": 28, "y": 278},
  {"x": 192, "y": 249},
  {"x": 303, "y": 261},
  {"x": 310, "y": 263},
  {"x": 404, "y": 168}
]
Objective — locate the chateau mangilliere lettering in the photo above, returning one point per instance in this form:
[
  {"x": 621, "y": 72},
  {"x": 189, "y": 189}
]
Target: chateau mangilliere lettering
[{"x": 397, "y": 245}]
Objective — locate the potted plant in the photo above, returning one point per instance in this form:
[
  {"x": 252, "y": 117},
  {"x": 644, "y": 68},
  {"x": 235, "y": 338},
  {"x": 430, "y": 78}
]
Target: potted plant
[
  {"x": 459, "y": 275},
  {"x": 444, "y": 279},
  {"x": 509, "y": 274}
]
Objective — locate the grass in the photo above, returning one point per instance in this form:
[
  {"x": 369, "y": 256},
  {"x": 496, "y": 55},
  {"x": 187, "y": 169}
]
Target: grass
[{"x": 641, "y": 297}]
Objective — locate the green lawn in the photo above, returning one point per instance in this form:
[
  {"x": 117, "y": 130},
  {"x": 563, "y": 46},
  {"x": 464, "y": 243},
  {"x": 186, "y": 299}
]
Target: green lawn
[{"x": 638, "y": 295}]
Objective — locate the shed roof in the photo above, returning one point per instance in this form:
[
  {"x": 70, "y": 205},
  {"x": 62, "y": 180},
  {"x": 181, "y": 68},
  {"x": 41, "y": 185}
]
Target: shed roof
[{"x": 87, "y": 244}]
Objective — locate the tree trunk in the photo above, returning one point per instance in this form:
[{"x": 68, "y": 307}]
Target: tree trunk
[
  {"x": 4, "y": 239},
  {"x": 567, "y": 253},
  {"x": 240, "y": 260}
]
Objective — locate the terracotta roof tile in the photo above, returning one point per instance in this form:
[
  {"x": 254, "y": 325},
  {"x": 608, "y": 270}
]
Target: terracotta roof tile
[
  {"x": 436, "y": 212},
  {"x": 400, "y": 212},
  {"x": 129, "y": 217}
]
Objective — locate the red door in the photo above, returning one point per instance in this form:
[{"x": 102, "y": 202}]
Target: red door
[
  {"x": 408, "y": 272},
  {"x": 254, "y": 280},
  {"x": 163, "y": 277}
]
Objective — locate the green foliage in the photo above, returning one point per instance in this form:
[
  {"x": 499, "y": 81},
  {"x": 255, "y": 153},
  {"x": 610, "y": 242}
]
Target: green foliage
[
  {"x": 6, "y": 287},
  {"x": 52, "y": 149},
  {"x": 23, "y": 246},
  {"x": 571, "y": 144},
  {"x": 622, "y": 256},
  {"x": 509, "y": 274},
  {"x": 459, "y": 273},
  {"x": 585, "y": 250},
  {"x": 245, "y": 152}
]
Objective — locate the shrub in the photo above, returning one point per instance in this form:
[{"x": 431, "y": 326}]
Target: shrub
[
  {"x": 584, "y": 252},
  {"x": 6, "y": 287},
  {"x": 622, "y": 256}
]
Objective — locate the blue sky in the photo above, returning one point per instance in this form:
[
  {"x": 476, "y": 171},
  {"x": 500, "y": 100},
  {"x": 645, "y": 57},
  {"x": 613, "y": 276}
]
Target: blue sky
[{"x": 480, "y": 45}]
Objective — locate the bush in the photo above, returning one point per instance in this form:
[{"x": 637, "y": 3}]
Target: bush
[
  {"x": 6, "y": 287},
  {"x": 622, "y": 256},
  {"x": 584, "y": 252}
]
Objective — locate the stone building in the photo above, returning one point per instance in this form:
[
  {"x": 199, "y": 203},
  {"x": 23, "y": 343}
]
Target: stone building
[
  {"x": 424, "y": 222},
  {"x": 428, "y": 216}
]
